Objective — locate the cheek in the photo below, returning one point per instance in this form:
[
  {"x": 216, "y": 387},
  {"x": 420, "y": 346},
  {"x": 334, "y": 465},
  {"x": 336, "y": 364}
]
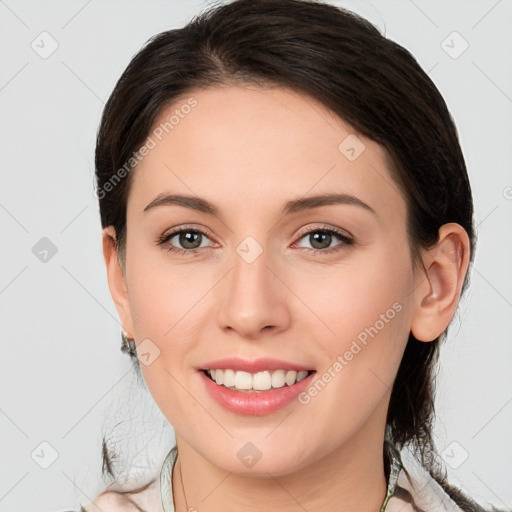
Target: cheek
[
  {"x": 164, "y": 296},
  {"x": 367, "y": 310},
  {"x": 166, "y": 304},
  {"x": 363, "y": 301}
]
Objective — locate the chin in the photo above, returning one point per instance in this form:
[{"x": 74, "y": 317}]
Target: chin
[{"x": 249, "y": 460}]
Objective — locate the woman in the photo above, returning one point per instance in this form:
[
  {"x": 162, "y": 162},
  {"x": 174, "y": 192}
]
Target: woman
[{"x": 287, "y": 230}]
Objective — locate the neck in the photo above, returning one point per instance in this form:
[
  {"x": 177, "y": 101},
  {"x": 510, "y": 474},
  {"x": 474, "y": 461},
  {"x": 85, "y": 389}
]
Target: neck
[{"x": 351, "y": 477}]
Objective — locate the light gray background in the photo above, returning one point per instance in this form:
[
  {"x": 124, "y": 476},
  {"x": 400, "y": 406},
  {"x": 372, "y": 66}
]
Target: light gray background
[{"x": 63, "y": 379}]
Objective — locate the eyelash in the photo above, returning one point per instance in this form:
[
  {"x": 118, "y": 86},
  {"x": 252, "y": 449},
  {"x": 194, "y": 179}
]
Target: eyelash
[{"x": 346, "y": 240}]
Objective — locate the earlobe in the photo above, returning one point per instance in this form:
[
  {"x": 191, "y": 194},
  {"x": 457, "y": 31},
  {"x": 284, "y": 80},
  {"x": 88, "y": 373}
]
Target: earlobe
[
  {"x": 116, "y": 279},
  {"x": 439, "y": 286}
]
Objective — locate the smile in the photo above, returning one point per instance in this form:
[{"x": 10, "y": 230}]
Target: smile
[
  {"x": 260, "y": 381},
  {"x": 239, "y": 394}
]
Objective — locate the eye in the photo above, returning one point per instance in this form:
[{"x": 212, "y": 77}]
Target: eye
[
  {"x": 189, "y": 238},
  {"x": 321, "y": 238}
]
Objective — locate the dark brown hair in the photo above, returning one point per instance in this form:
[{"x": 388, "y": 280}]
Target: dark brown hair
[{"x": 371, "y": 82}]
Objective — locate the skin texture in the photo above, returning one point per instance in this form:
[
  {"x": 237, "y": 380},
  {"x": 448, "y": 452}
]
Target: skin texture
[{"x": 249, "y": 150}]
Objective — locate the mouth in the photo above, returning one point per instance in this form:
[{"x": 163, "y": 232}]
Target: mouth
[
  {"x": 255, "y": 387},
  {"x": 259, "y": 382}
]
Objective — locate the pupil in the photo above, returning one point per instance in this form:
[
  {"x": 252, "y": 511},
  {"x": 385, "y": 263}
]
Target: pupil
[
  {"x": 188, "y": 238},
  {"x": 326, "y": 236}
]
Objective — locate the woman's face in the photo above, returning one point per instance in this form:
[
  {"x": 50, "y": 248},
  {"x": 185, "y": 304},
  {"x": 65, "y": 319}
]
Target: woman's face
[{"x": 253, "y": 287}]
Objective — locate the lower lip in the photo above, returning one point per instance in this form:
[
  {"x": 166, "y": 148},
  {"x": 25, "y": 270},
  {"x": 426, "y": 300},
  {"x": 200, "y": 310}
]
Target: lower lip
[{"x": 257, "y": 403}]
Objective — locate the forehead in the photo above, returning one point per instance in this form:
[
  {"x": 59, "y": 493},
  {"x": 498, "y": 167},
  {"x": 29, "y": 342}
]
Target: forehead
[{"x": 251, "y": 146}]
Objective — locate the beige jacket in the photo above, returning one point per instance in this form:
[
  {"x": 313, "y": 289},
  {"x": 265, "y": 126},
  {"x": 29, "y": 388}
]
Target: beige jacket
[{"x": 410, "y": 489}]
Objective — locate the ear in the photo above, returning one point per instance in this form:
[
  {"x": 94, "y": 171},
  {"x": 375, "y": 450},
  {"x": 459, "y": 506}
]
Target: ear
[
  {"x": 438, "y": 290},
  {"x": 117, "y": 280}
]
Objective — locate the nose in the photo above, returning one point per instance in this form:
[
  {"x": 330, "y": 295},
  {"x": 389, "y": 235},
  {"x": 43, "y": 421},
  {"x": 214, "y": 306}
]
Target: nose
[{"x": 253, "y": 299}]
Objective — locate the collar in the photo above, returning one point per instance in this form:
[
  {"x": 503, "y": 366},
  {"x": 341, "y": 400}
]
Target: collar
[{"x": 392, "y": 461}]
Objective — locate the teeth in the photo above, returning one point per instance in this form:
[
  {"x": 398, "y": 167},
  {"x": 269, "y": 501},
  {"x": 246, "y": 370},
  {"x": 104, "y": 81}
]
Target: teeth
[
  {"x": 218, "y": 377},
  {"x": 243, "y": 380},
  {"x": 278, "y": 379},
  {"x": 291, "y": 377},
  {"x": 229, "y": 377},
  {"x": 261, "y": 381},
  {"x": 302, "y": 375}
]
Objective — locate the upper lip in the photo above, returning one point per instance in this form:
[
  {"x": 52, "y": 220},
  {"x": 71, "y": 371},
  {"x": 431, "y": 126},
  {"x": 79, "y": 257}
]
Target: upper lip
[{"x": 254, "y": 366}]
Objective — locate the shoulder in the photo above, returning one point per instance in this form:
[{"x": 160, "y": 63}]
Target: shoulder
[
  {"x": 110, "y": 501},
  {"x": 145, "y": 500}
]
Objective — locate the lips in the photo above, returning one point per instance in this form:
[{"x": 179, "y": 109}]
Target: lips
[
  {"x": 255, "y": 366},
  {"x": 251, "y": 402}
]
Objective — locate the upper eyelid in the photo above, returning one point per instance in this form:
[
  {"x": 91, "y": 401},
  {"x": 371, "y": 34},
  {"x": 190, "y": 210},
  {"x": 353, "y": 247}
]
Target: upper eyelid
[
  {"x": 325, "y": 227},
  {"x": 176, "y": 231}
]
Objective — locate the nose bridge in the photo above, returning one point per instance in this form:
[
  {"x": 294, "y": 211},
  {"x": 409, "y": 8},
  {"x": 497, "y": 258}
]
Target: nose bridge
[{"x": 254, "y": 298}]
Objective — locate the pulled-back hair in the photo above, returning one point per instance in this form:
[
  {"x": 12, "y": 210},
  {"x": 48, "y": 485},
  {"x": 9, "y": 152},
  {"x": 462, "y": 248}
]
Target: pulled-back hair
[{"x": 371, "y": 82}]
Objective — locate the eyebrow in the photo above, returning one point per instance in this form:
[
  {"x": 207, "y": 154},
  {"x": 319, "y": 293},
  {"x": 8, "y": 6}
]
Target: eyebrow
[{"x": 293, "y": 206}]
